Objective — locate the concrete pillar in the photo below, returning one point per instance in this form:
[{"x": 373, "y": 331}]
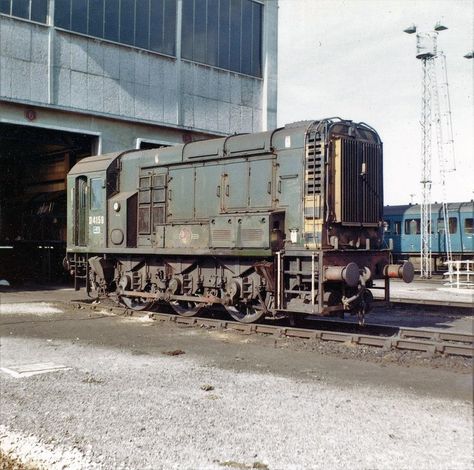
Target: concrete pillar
[{"x": 270, "y": 64}]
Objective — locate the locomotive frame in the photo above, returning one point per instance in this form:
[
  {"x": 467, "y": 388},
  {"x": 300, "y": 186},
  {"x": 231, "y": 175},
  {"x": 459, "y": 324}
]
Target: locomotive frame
[{"x": 262, "y": 225}]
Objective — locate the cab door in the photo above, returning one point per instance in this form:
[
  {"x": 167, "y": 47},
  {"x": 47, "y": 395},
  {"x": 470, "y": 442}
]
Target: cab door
[{"x": 97, "y": 212}]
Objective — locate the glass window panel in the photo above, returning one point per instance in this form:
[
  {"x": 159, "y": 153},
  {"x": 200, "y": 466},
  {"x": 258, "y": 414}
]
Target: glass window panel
[
  {"x": 169, "y": 32},
  {"x": 187, "y": 30},
  {"x": 144, "y": 219},
  {"x": 412, "y": 227},
  {"x": 453, "y": 224},
  {"x": 96, "y": 18},
  {"x": 440, "y": 225},
  {"x": 235, "y": 34},
  {"x": 62, "y": 13},
  {"x": 212, "y": 31},
  {"x": 397, "y": 228},
  {"x": 224, "y": 31},
  {"x": 39, "y": 10},
  {"x": 5, "y": 6},
  {"x": 257, "y": 40},
  {"x": 156, "y": 25},
  {"x": 127, "y": 21},
  {"x": 142, "y": 24},
  {"x": 469, "y": 225},
  {"x": 79, "y": 16},
  {"x": 97, "y": 194},
  {"x": 21, "y": 8},
  {"x": 199, "y": 39},
  {"x": 246, "y": 50},
  {"x": 111, "y": 20}
]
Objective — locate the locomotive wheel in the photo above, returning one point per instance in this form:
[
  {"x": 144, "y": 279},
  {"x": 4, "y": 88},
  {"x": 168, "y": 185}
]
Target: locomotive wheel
[
  {"x": 186, "y": 308},
  {"x": 135, "y": 303},
  {"x": 246, "y": 313}
]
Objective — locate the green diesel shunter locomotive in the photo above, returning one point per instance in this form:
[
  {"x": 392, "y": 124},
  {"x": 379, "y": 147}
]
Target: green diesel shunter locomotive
[{"x": 271, "y": 224}]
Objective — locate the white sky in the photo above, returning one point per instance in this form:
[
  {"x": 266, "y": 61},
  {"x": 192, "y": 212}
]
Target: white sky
[{"x": 350, "y": 58}]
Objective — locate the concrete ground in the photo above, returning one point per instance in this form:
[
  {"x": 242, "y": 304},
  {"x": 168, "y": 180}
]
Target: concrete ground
[
  {"x": 429, "y": 290},
  {"x": 145, "y": 395}
]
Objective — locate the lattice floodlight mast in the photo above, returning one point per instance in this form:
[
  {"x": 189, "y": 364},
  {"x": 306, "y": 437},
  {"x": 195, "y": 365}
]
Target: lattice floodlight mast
[
  {"x": 427, "y": 52},
  {"x": 445, "y": 144}
]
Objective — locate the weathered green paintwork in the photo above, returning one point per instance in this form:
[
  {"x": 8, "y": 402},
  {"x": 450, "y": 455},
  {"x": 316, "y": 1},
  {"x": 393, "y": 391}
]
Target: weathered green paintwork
[{"x": 220, "y": 196}]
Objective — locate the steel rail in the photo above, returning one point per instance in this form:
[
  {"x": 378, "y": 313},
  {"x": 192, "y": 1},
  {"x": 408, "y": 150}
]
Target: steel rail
[{"x": 408, "y": 339}]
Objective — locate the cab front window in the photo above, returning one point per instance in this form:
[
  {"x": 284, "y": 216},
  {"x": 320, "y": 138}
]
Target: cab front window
[{"x": 97, "y": 194}]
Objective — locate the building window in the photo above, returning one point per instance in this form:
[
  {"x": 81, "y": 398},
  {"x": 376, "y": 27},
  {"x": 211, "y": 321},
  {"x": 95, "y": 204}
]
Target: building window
[
  {"x": 453, "y": 224},
  {"x": 223, "y": 33},
  {"x": 147, "y": 145},
  {"x": 148, "y": 24},
  {"x": 34, "y": 10}
]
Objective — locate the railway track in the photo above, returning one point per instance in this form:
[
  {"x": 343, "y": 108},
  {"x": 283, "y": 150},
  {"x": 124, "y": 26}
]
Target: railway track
[{"x": 375, "y": 335}]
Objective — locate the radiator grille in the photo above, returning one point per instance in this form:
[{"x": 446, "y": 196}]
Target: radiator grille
[{"x": 361, "y": 182}]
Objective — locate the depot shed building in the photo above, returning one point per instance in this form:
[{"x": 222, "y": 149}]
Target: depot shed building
[{"x": 84, "y": 77}]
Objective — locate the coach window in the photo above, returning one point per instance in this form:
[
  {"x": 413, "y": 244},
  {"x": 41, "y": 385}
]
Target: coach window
[
  {"x": 412, "y": 227},
  {"x": 440, "y": 225},
  {"x": 97, "y": 194},
  {"x": 469, "y": 225},
  {"x": 397, "y": 227},
  {"x": 453, "y": 225}
]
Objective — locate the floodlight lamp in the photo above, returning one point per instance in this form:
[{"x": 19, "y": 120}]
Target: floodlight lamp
[
  {"x": 440, "y": 27},
  {"x": 410, "y": 30},
  {"x": 469, "y": 55}
]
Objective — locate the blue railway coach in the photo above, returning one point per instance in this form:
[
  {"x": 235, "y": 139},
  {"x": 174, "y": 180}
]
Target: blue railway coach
[{"x": 403, "y": 226}]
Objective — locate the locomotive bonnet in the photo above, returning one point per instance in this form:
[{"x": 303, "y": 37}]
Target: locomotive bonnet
[{"x": 270, "y": 224}]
